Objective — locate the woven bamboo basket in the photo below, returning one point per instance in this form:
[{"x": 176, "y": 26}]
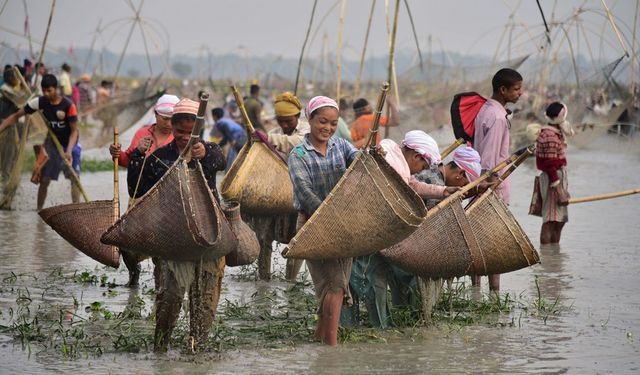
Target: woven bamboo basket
[
  {"x": 369, "y": 209},
  {"x": 444, "y": 246},
  {"x": 248, "y": 247},
  {"x": 178, "y": 219},
  {"x": 504, "y": 246},
  {"x": 82, "y": 224},
  {"x": 259, "y": 181}
]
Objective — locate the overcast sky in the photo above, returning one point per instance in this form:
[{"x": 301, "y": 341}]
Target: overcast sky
[{"x": 260, "y": 27}]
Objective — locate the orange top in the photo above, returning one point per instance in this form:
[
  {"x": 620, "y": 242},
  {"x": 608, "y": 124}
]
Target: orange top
[{"x": 361, "y": 126}]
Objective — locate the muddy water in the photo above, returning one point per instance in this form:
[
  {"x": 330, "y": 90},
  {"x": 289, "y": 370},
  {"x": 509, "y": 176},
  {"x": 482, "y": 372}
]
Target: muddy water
[{"x": 594, "y": 273}]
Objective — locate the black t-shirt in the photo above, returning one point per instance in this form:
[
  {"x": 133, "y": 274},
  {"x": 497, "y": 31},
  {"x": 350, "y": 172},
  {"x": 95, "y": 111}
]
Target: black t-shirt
[{"x": 60, "y": 116}]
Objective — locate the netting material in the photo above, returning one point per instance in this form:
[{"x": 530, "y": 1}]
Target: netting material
[
  {"x": 371, "y": 208},
  {"x": 191, "y": 227},
  {"x": 259, "y": 181},
  {"x": 504, "y": 246},
  {"x": 444, "y": 246},
  {"x": 82, "y": 224}
]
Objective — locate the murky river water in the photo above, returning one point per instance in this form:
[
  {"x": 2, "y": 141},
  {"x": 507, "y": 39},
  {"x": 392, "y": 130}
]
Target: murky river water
[{"x": 595, "y": 274}]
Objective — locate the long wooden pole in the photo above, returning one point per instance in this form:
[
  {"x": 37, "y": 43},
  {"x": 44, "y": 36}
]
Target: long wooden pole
[
  {"x": 116, "y": 183},
  {"x": 615, "y": 28},
  {"x": 391, "y": 66},
  {"x": 373, "y": 133},
  {"x": 472, "y": 185},
  {"x": 364, "y": 50},
  {"x": 599, "y": 197},
  {"x": 451, "y": 147},
  {"x": 476, "y": 202},
  {"x": 306, "y": 38},
  {"x": 415, "y": 34},
  {"x": 56, "y": 142},
  {"x": 343, "y": 7},
  {"x": 126, "y": 43},
  {"x": 243, "y": 111}
]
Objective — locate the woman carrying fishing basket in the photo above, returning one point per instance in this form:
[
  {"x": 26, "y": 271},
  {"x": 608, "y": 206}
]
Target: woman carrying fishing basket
[{"x": 315, "y": 167}]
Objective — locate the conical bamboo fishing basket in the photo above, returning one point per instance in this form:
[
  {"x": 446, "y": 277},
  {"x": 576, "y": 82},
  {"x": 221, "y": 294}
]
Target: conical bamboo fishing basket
[
  {"x": 369, "y": 209},
  {"x": 259, "y": 181},
  {"x": 178, "y": 219},
  {"x": 444, "y": 246},
  {"x": 81, "y": 225},
  {"x": 504, "y": 246}
]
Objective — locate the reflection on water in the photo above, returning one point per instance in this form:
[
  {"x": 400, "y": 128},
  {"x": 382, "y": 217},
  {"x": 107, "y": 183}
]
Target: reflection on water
[{"x": 593, "y": 275}]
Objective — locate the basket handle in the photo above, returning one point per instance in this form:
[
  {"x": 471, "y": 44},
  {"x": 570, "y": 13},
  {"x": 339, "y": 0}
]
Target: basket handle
[
  {"x": 472, "y": 185},
  {"x": 451, "y": 147},
  {"x": 195, "y": 132},
  {"x": 243, "y": 111},
  {"x": 373, "y": 133}
]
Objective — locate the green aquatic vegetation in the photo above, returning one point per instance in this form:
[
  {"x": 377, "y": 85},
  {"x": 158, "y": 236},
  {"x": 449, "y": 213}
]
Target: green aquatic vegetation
[
  {"x": 85, "y": 277},
  {"x": 275, "y": 317}
]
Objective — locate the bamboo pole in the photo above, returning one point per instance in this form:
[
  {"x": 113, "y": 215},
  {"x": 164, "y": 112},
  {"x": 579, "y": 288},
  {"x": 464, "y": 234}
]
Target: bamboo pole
[
  {"x": 599, "y": 197},
  {"x": 306, "y": 38},
  {"x": 364, "y": 50},
  {"x": 126, "y": 43},
  {"x": 93, "y": 43},
  {"x": 74, "y": 177},
  {"x": 415, "y": 34},
  {"x": 634, "y": 57},
  {"x": 476, "y": 202},
  {"x": 615, "y": 28},
  {"x": 195, "y": 132},
  {"x": 67, "y": 163},
  {"x": 44, "y": 41},
  {"x": 391, "y": 68},
  {"x": 116, "y": 183},
  {"x": 472, "y": 185},
  {"x": 243, "y": 111},
  {"x": 28, "y": 27},
  {"x": 343, "y": 7},
  {"x": 373, "y": 133},
  {"x": 451, "y": 147}
]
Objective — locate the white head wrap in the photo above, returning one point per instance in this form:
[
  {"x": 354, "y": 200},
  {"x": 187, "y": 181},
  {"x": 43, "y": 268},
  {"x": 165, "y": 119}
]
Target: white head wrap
[
  {"x": 165, "y": 104},
  {"x": 468, "y": 159},
  {"x": 561, "y": 121},
  {"x": 423, "y": 144}
]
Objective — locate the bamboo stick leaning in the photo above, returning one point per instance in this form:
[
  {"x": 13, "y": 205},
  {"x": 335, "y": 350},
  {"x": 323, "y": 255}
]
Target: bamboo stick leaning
[{"x": 598, "y": 197}]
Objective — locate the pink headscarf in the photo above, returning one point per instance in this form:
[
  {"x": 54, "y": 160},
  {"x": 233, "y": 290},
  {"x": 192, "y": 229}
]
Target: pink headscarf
[
  {"x": 186, "y": 105},
  {"x": 468, "y": 159},
  {"x": 319, "y": 102},
  {"x": 423, "y": 144}
]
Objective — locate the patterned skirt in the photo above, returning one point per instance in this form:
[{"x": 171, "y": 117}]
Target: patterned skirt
[{"x": 551, "y": 211}]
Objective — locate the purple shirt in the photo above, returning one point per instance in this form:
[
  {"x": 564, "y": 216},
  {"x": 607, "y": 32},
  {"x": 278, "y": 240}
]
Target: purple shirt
[{"x": 491, "y": 139}]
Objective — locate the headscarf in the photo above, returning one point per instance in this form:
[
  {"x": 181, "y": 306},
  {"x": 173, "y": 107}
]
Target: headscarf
[
  {"x": 468, "y": 159},
  {"x": 318, "y": 102},
  {"x": 186, "y": 106},
  {"x": 287, "y": 104},
  {"x": 165, "y": 105},
  {"x": 423, "y": 144},
  {"x": 561, "y": 120}
]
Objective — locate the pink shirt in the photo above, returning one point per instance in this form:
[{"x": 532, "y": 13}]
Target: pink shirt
[
  {"x": 491, "y": 139},
  {"x": 396, "y": 160},
  {"x": 145, "y": 131}
]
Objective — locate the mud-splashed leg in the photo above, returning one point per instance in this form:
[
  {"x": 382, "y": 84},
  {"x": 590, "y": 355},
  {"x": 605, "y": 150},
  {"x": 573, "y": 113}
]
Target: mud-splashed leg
[
  {"x": 430, "y": 290},
  {"x": 264, "y": 258},
  {"x": 168, "y": 303},
  {"x": 131, "y": 262},
  {"x": 293, "y": 268},
  {"x": 204, "y": 295}
]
